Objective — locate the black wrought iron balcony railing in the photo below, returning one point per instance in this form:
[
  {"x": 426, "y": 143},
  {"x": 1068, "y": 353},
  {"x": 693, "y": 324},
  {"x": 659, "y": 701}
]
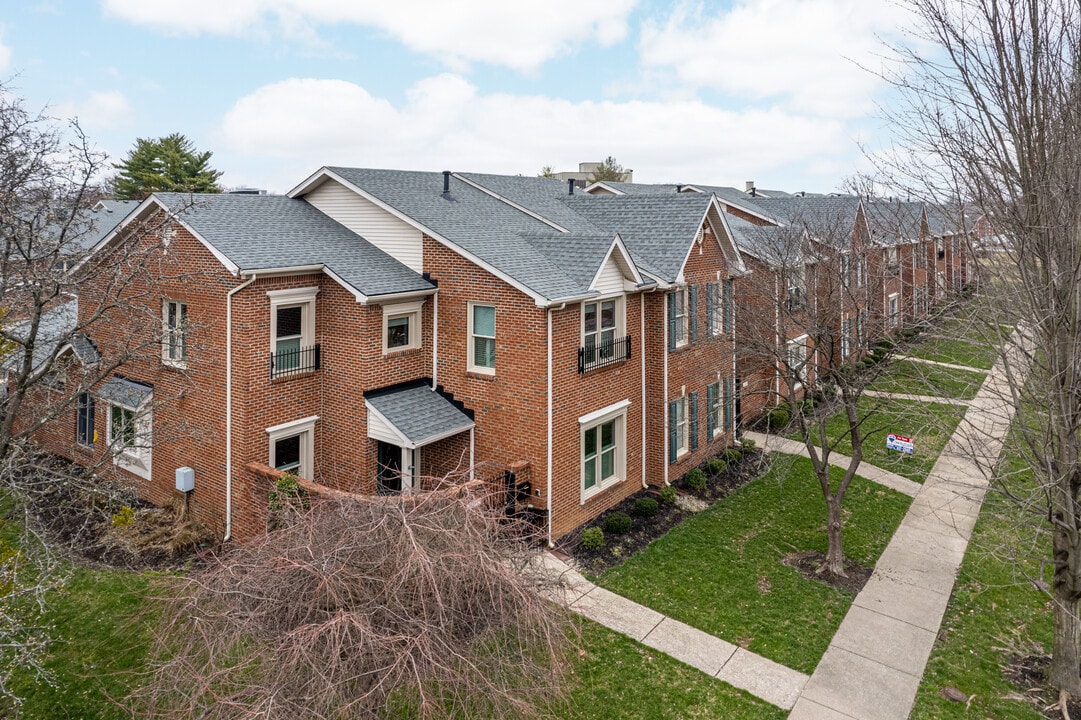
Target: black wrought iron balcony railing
[
  {"x": 294, "y": 361},
  {"x": 592, "y": 357}
]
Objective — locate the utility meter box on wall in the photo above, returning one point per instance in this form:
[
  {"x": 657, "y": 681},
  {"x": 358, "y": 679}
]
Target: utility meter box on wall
[{"x": 185, "y": 479}]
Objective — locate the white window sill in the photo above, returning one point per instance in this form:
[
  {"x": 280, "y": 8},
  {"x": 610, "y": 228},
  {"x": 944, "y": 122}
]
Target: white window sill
[{"x": 600, "y": 488}]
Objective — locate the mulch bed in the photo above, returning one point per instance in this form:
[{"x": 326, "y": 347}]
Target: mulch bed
[
  {"x": 808, "y": 563},
  {"x": 644, "y": 530},
  {"x": 1028, "y": 673},
  {"x": 75, "y": 510}
]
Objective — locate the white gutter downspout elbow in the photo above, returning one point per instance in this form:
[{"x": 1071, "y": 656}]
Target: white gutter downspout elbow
[
  {"x": 229, "y": 405},
  {"x": 435, "y": 341}
]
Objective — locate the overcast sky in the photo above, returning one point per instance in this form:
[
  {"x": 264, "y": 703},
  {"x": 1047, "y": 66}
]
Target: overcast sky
[{"x": 705, "y": 92}]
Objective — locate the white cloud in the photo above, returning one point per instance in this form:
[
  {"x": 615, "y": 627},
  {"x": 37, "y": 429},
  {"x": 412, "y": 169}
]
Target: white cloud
[
  {"x": 99, "y": 112},
  {"x": 802, "y": 53},
  {"x": 289, "y": 129},
  {"x": 520, "y": 35}
]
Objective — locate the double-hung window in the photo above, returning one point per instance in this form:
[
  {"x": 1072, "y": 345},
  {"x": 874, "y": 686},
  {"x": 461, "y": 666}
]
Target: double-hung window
[
  {"x": 482, "y": 339},
  {"x": 292, "y": 331},
  {"x": 892, "y": 306},
  {"x": 604, "y": 447},
  {"x": 401, "y": 326},
  {"x": 846, "y": 338},
  {"x": 174, "y": 333},
  {"x": 129, "y": 423},
  {"x": 718, "y": 308},
  {"x": 682, "y": 327},
  {"x": 84, "y": 419},
  {"x": 682, "y": 426},
  {"x": 715, "y": 418},
  {"x": 600, "y": 328},
  {"x": 797, "y": 359}
]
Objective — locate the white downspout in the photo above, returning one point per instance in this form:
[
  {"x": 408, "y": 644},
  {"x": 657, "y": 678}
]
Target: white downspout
[
  {"x": 736, "y": 391},
  {"x": 549, "y": 449},
  {"x": 229, "y": 405},
  {"x": 642, "y": 356},
  {"x": 782, "y": 351},
  {"x": 472, "y": 456},
  {"x": 664, "y": 407},
  {"x": 435, "y": 344}
]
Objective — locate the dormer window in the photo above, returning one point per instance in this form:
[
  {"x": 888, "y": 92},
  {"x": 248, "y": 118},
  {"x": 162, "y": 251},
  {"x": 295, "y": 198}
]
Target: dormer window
[{"x": 401, "y": 327}]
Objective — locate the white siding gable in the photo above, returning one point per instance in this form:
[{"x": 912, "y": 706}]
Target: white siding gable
[
  {"x": 391, "y": 235},
  {"x": 614, "y": 276}
]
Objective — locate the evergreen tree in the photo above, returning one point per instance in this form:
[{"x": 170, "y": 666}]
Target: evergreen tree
[{"x": 169, "y": 164}]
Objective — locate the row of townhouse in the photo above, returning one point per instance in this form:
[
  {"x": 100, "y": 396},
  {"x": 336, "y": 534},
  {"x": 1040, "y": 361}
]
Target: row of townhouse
[{"x": 377, "y": 331}]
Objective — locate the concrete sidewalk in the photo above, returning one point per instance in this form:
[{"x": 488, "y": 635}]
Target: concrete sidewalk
[
  {"x": 873, "y": 666},
  {"x": 766, "y": 679},
  {"x": 917, "y": 398},
  {"x": 952, "y": 366},
  {"x": 776, "y": 443}
]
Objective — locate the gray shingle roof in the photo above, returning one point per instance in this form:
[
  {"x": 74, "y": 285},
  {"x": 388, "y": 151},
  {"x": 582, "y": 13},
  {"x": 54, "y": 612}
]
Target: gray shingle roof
[
  {"x": 273, "y": 231},
  {"x": 829, "y": 220},
  {"x": 893, "y": 222},
  {"x": 121, "y": 391},
  {"x": 771, "y": 244},
  {"x": 480, "y": 224},
  {"x": 419, "y": 413},
  {"x": 55, "y": 327},
  {"x": 657, "y": 229}
]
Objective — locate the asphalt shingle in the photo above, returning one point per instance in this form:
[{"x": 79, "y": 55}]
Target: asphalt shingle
[{"x": 419, "y": 413}]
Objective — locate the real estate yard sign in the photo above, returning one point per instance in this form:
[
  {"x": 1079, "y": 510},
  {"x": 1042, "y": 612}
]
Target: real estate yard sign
[{"x": 899, "y": 443}]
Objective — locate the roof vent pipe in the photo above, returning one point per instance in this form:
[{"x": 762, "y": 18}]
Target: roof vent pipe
[
  {"x": 446, "y": 182},
  {"x": 570, "y": 186},
  {"x": 679, "y": 188}
]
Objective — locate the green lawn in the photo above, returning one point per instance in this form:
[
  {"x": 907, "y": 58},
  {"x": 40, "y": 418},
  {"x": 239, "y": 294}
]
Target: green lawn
[
  {"x": 721, "y": 570},
  {"x": 994, "y": 609},
  {"x": 930, "y": 426},
  {"x": 97, "y": 645},
  {"x": 958, "y": 341},
  {"x": 909, "y": 377},
  {"x": 617, "y": 678}
]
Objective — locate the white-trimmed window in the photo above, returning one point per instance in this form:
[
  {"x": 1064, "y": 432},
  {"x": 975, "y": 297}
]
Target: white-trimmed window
[
  {"x": 893, "y": 304},
  {"x": 174, "y": 333},
  {"x": 680, "y": 419},
  {"x": 292, "y": 447},
  {"x": 482, "y": 338},
  {"x": 797, "y": 359},
  {"x": 846, "y": 338},
  {"x": 604, "y": 447},
  {"x": 129, "y": 430},
  {"x": 602, "y": 325},
  {"x": 682, "y": 317},
  {"x": 715, "y": 405},
  {"x": 292, "y": 330},
  {"x": 401, "y": 326}
]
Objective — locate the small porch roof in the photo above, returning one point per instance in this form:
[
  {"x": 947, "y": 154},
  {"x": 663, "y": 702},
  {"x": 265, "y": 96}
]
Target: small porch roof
[
  {"x": 128, "y": 393},
  {"x": 415, "y": 415}
]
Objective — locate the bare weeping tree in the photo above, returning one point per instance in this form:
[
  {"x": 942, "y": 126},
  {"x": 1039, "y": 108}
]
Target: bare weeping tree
[
  {"x": 48, "y": 230},
  {"x": 991, "y": 122},
  {"x": 428, "y": 605},
  {"x": 806, "y": 324}
]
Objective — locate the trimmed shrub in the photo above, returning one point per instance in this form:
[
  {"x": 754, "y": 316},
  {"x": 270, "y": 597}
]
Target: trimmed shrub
[
  {"x": 668, "y": 494},
  {"x": 747, "y": 443},
  {"x": 696, "y": 480},
  {"x": 645, "y": 507},
  {"x": 716, "y": 466},
  {"x": 868, "y": 361},
  {"x": 778, "y": 418},
  {"x": 732, "y": 455},
  {"x": 593, "y": 538},
  {"x": 617, "y": 523}
]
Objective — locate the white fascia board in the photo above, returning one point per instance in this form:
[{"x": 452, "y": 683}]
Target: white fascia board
[
  {"x": 728, "y": 245},
  {"x": 139, "y": 212},
  {"x": 324, "y": 174},
  {"x": 617, "y": 246},
  {"x": 600, "y": 185},
  {"x": 405, "y": 442},
  {"x": 508, "y": 201}
]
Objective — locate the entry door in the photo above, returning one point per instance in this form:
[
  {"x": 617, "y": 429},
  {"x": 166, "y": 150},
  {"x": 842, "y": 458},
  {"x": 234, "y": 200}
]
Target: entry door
[{"x": 390, "y": 469}]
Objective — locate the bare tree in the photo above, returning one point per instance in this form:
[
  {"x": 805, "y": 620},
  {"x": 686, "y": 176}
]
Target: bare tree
[
  {"x": 48, "y": 231},
  {"x": 806, "y": 324},
  {"x": 991, "y": 122},
  {"x": 363, "y": 607}
]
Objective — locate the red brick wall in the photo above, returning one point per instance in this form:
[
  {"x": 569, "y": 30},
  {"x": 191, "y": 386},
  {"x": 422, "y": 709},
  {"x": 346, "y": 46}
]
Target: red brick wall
[{"x": 690, "y": 368}]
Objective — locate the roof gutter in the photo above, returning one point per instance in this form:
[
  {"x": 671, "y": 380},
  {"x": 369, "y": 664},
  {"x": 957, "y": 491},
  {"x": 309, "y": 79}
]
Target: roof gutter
[{"x": 229, "y": 405}]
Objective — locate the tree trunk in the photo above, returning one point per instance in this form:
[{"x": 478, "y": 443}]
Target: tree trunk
[
  {"x": 835, "y": 556},
  {"x": 1065, "y": 672}
]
